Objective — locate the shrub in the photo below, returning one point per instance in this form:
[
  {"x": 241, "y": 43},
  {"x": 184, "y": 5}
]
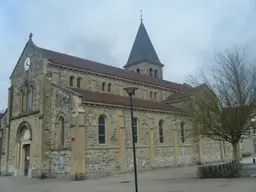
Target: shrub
[{"x": 223, "y": 170}]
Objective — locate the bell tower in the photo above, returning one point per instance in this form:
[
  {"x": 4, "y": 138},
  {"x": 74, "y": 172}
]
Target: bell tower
[{"x": 143, "y": 58}]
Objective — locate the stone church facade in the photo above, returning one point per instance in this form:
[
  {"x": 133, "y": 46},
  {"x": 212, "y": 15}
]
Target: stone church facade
[{"x": 70, "y": 117}]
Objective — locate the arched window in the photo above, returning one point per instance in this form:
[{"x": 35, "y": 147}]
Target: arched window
[
  {"x": 27, "y": 98},
  {"x": 22, "y": 100},
  {"x": 151, "y": 72},
  {"x": 155, "y": 94},
  {"x": 78, "y": 82},
  {"x": 71, "y": 81},
  {"x": 161, "y": 131},
  {"x": 151, "y": 95},
  {"x": 156, "y": 73},
  {"x": 61, "y": 131},
  {"x": 182, "y": 131},
  {"x": 109, "y": 87},
  {"x": 31, "y": 98},
  {"x": 138, "y": 70},
  {"x": 103, "y": 86},
  {"x": 102, "y": 130},
  {"x": 135, "y": 130}
]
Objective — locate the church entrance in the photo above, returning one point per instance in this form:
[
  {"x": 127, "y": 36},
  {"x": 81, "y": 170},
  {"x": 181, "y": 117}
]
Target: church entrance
[
  {"x": 23, "y": 150},
  {"x": 26, "y": 149}
]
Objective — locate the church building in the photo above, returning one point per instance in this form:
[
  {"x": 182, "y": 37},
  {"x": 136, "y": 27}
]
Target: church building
[{"x": 69, "y": 117}]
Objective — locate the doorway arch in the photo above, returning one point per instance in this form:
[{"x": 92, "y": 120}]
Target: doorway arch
[{"x": 23, "y": 143}]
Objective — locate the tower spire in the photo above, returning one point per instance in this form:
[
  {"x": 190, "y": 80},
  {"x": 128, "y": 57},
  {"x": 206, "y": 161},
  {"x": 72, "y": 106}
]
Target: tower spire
[{"x": 142, "y": 49}]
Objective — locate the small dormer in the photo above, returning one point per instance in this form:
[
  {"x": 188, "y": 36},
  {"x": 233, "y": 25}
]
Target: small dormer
[{"x": 143, "y": 58}]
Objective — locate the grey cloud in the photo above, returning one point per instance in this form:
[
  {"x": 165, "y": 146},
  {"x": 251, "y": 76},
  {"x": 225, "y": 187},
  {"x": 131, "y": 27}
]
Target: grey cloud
[
  {"x": 99, "y": 50},
  {"x": 184, "y": 32}
]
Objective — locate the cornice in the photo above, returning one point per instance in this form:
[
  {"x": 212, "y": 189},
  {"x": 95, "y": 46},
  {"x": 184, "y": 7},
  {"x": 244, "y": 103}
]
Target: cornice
[
  {"x": 114, "y": 106},
  {"x": 110, "y": 76},
  {"x": 25, "y": 114},
  {"x": 178, "y": 100}
]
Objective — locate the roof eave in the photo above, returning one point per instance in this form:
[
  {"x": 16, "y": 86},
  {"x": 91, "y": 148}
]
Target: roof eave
[
  {"x": 68, "y": 66},
  {"x": 128, "y": 107},
  {"x": 178, "y": 100},
  {"x": 144, "y": 60}
]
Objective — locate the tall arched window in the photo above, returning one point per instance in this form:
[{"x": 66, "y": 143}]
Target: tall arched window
[
  {"x": 138, "y": 70},
  {"x": 78, "y": 82},
  {"x": 27, "y": 97},
  {"x": 109, "y": 87},
  {"x": 61, "y": 131},
  {"x": 103, "y": 86},
  {"x": 156, "y": 73},
  {"x": 102, "y": 129},
  {"x": 135, "y": 130},
  {"x": 182, "y": 131},
  {"x": 161, "y": 131},
  {"x": 71, "y": 81},
  {"x": 22, "y": 100},
  {"x": 151, "y": 95},
  {"x": 155, "y": 94},
  {"x": 31, "y": 98},
  {"x": 151, "y": 72}
]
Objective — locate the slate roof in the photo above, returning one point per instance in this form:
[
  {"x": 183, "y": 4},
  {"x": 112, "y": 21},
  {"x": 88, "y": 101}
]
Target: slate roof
[
  {"x": 124, "y": 101},
  {"x": 68, "y": 60},
  {"x": 142, "y": 48},
  {"x": 185, "y": 93},
  {"x": 177, "y": 96},
  {"x": 1, "y": 115}
]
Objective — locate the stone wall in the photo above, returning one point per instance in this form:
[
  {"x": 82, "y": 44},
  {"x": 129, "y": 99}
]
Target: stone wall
[
  {"x": 113, "y": 157},
  {"x": 33, "y": 121},
  {"x": 165, "y": 156},
  {"x": 58, "y": 104},
  {"x": 58, "y": 164},
  {"x": 102, "y": 161},
  {"x": 3, "y": 138},
  {"x": 93, "y": 83},
  {"x": 145, "y": 69},
  {"x": 20, "y": 77}
]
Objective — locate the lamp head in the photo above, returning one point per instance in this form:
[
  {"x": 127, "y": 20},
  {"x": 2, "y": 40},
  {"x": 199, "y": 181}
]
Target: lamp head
[{"x": 130, "y": 90}]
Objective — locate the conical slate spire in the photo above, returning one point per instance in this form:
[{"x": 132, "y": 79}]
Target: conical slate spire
[{"x": 143, "y": 48}]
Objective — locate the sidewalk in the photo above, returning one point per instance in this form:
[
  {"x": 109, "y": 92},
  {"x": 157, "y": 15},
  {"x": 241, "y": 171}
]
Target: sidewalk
[
  {"x": 248, "y": 160},
  {"x": 159, "y": 180}
]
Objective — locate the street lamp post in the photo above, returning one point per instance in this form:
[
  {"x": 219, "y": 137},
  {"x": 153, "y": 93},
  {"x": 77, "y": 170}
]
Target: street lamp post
[{"x": 131, "y": 92}]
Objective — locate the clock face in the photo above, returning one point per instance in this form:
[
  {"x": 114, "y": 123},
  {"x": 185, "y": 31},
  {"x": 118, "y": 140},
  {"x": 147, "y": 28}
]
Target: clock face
[{"x": 27, "y": 64}]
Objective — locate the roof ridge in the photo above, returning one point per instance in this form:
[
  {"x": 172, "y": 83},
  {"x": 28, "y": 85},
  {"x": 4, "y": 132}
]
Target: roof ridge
[
  {"x": 78, "y": 62},
  {"x": 123, "y": 100},
  {"x": 77, "y": 57}
]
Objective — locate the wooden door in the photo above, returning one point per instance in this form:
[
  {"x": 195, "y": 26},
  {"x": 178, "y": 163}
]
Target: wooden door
[{"x": 27, "y": 158}]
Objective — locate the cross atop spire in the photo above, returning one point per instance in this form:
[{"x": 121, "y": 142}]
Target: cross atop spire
[
  {"x": 30, "y": 35},
  {"x": 141, "y": 16}
]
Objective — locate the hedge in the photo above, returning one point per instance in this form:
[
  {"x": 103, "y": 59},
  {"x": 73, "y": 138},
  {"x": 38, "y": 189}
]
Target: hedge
[{"x": 222, "y": 170}]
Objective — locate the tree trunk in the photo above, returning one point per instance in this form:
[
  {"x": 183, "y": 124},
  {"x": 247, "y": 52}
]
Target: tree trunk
[{"x": 236, "y": 154}]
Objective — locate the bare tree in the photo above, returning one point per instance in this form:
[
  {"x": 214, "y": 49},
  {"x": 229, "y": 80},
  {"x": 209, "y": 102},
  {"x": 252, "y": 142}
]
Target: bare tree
[{"x": 226, "y": 108}]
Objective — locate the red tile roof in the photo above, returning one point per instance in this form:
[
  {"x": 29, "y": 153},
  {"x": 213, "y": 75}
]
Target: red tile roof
[
  {"x": 63, "y": 59},
  {"x": 124, "y": 101}
]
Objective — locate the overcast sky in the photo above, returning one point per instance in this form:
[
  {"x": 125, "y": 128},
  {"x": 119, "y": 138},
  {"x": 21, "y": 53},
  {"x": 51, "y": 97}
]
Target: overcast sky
[{"x": 183, "y": 32}]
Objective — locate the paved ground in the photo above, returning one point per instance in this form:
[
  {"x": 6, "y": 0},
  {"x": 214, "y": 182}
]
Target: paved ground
[
  {"x": 247, "y": 160},
  {"x": 161, "y": 180}
]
